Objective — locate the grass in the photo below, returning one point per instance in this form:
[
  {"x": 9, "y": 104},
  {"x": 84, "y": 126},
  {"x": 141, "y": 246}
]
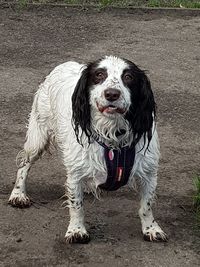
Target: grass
[
  {"x": 197, "y": 198},
  {"x": 120, "y": 3},
  {"x": 174, "y": 3}
]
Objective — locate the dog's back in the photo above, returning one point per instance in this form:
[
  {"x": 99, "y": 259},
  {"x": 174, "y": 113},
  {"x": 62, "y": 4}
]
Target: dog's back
[{"x": 54, "y": 94}]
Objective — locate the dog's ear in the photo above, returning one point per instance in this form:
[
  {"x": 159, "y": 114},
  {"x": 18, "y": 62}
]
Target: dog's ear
[
  {"x": 81, "y": 107},
  {"x": 143, "y": 108}
]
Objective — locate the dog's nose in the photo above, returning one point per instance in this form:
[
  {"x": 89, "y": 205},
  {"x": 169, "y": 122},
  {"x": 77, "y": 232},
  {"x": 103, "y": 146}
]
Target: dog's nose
[{"x": 112, "y": 94}]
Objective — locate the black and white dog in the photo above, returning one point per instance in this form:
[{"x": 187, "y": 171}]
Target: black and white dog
[{"x": 102, "y": 117}]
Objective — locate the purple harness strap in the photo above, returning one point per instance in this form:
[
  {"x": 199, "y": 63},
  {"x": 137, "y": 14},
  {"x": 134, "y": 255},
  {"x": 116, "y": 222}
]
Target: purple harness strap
[{"x": 119, "y": 165}]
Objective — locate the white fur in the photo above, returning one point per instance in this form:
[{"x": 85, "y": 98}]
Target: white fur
[{"x": 50, "y": 118}]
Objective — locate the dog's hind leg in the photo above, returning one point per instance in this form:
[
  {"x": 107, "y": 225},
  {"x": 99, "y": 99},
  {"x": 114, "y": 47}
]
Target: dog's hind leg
[{"x": 36, "y": 142}]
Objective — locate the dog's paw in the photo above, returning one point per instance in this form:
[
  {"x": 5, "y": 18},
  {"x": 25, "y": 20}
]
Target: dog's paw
[
  {"x": 20, "y": 200},
  {"x": 77, "y": 236},
  {"x": 154, "y": 233}
]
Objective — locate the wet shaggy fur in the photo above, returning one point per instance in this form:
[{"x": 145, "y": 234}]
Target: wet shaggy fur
[{"x": 109, "y": 100}]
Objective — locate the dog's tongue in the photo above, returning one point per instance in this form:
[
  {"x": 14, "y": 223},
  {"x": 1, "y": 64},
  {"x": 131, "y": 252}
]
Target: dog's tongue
[
  {"x": 110, "y": 110},
  {"x": 107, "y": 109}
]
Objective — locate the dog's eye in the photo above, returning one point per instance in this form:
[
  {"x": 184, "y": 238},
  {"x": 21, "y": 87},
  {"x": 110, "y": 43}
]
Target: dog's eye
[
  {"x": 128, "y": 77},
  {"x": 99, "y": 75}
]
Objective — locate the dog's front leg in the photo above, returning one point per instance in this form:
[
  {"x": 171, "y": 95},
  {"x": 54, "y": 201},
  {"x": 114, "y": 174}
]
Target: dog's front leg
[
  {"x": 76, "y": 232},
  {"x": 150, "y": 228}
]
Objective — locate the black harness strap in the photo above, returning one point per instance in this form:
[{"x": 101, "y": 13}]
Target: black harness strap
[{"x": 119, "y": 165}]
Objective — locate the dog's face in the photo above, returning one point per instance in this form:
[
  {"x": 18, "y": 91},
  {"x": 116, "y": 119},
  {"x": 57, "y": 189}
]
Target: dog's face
[
  {"x": 113, "y": 88},
  {"x": 109, "y": 82}
]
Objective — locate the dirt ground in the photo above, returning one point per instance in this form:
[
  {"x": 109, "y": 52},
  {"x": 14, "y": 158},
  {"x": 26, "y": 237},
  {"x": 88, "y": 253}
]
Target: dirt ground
[{"x": 167, "y": 45}]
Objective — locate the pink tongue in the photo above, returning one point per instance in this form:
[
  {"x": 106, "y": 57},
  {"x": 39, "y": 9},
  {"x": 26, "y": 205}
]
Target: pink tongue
[{"x": 110, "y": 110}]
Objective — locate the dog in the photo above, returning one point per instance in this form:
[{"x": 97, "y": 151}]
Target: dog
[{"x": 102, "y": 116}]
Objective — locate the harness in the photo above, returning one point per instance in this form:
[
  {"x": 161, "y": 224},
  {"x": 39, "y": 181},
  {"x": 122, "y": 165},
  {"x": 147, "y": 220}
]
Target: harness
[{"x": 119, "y": 163}]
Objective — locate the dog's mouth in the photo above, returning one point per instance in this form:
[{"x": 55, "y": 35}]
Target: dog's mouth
[{"x": 110, "y": 109}]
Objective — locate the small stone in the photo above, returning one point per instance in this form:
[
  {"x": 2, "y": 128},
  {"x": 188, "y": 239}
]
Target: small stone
[
  {"x": 100, "y": 259},
  {"x": 18, "y": 240}
]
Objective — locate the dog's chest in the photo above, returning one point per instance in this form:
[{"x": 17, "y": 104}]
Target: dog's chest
[{"x": 118, "y": 165}]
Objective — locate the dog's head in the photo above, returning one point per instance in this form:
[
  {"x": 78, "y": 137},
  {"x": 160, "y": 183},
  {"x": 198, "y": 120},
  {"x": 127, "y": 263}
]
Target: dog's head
[{"x": 113, "y": 90}]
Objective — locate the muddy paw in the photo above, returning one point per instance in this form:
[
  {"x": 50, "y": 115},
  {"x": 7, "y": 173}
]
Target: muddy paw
[
  {"x": 77, "y": 237},
  {"x": 20, "y": 201},
  {"x": 153, "y": 232},
  {"x": 155, "y": 235}
]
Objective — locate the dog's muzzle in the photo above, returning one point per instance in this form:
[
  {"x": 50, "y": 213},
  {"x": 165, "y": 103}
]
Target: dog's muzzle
[{"x": 111, "y": 95}]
